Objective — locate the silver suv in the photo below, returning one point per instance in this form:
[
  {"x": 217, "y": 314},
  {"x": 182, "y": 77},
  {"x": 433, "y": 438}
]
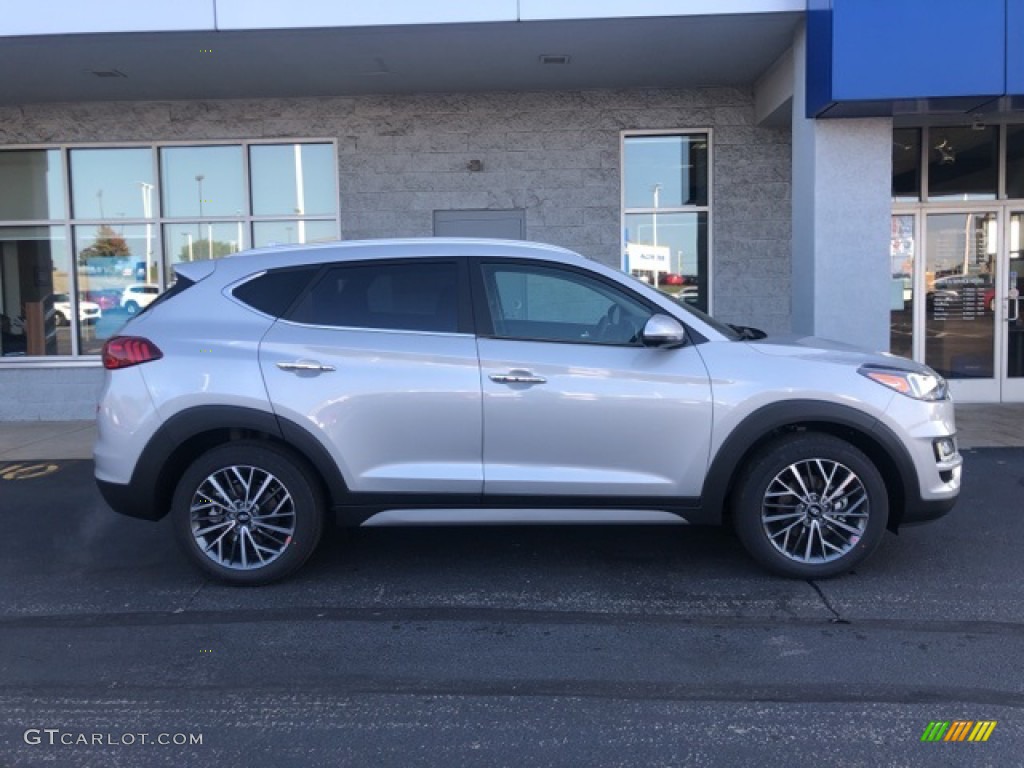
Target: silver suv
[{"x": 442, "y": 381}]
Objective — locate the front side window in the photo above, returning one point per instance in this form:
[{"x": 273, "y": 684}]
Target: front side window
[
  {"x": 547, "y": 304},
  {"x": 420, "y": 296},
  {"x": 665, "y": 215}
]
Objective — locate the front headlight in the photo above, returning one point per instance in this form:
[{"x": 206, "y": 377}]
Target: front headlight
[{"x": 920, "y": 386}]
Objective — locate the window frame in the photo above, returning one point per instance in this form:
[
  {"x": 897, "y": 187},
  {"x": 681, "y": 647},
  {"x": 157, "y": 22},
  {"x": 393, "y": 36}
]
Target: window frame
[
  {"x": 158, "y": 220},
  {"x": 708, "y": 133}
]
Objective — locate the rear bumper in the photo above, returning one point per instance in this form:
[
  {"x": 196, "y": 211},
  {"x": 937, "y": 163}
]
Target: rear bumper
[{"x": 130, "y": 501}]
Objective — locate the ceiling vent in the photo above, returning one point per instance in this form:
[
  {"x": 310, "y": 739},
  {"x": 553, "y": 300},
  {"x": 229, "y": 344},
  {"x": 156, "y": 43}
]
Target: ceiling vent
[{"x": 548, "y": 58}]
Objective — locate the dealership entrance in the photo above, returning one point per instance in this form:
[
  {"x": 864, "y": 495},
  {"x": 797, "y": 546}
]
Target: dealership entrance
[
  {"x": 957, "y": 267},
  {"x": 958, "y": 274}
]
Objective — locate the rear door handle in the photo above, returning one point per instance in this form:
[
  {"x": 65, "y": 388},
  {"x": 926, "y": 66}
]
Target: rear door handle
[
  {"x": 517, "y": 377},
  {"x": 306, "y": 365}
]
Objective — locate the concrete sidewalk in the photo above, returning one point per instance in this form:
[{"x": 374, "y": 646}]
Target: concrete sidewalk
[{"x": 978, "y": 426}]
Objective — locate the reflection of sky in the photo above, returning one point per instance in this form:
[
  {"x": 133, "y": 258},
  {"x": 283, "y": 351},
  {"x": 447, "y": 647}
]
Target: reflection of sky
[
  {"x": 955, "y": 242},
  {"x": 651, "y": 160},
  {"x": 116, "y": 173},
  {"x": 678, "y": 231},
  {"x": 272, "y": 171},
  {"x": 221, "y": 169},
  {"x": 284, "y": 232}
]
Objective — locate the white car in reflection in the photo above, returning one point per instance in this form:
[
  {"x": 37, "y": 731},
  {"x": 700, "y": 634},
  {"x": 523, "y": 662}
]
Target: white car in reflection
[
  {"x": 88, "y": 311},
  {"x": 138, "y": 296}
]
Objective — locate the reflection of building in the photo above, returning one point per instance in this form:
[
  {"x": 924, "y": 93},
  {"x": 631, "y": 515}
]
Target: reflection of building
[{"x": 794, "y": 163}]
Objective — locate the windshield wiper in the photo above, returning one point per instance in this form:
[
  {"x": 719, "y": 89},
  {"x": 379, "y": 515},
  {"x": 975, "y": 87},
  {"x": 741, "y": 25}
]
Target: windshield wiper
[{"x": 746, "y": 332}]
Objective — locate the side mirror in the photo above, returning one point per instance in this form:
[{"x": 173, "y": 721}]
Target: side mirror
[{"x": 663, "y": 331}]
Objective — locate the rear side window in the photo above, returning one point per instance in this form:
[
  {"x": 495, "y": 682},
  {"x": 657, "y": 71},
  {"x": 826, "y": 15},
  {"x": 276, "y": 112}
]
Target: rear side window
[
  {"x": 420, "y": 296},
  {"x": 275, "y": 291},
  {"x": 179, "y": 285}
]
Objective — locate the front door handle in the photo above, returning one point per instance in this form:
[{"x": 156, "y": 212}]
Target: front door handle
[
  {"x": 517, "y": 377},
  {"x": 311, "y": 366}
]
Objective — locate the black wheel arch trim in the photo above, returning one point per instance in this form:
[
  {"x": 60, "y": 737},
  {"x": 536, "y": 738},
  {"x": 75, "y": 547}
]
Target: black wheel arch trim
[
  {"x": 842, "y": 420},
  {"x": 148, "y": 493}
]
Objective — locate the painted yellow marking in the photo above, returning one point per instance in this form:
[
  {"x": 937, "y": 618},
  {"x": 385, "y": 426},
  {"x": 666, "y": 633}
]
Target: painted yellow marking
[{"x": 23, "y": 471}]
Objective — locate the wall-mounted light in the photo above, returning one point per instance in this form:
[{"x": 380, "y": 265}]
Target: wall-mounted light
[{"x": 475, "y": 165}]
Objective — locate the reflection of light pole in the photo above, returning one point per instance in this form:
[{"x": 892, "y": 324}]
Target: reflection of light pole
[
  {"x": 300, "y": 193},
  {"x": 209, "y": 241},
  {"x": 238, "y": 245},
  {"x": 99, "y": 199},
  {"x": 191, "y": 255},
  {"x": 147, "y": 212},
  {"x": 199, "y": 183},
  {"x": 654, "y": 216}
]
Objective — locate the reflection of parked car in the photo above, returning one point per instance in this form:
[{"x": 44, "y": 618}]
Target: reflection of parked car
[
  {"x": 88, "y": 311},
  {"x": 139, "y": 296},
  {"x": 371, "y": 380},
  {"x": 670, "y": 278},
  {"x": 106, "y": 299}
]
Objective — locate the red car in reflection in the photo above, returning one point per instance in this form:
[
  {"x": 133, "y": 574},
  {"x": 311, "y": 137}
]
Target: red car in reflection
[
  {"x": 106, "y": 299},
  {"x": 669, "y": 278}
]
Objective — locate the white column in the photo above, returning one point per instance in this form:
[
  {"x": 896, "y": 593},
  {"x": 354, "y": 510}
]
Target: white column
[{"x": 842, "y": 207}]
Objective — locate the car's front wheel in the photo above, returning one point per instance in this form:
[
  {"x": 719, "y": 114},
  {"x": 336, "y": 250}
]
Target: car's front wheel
[
  {"x": 810, "y": 506},
  {"x": 248, "y": 513},
  {"x": 131, "y": 307}
]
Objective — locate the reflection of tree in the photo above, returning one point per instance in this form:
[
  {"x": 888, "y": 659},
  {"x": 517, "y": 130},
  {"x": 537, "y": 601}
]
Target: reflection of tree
[
  {"x": 199, "y": 250},
  {"x": 106, "y": 243}
]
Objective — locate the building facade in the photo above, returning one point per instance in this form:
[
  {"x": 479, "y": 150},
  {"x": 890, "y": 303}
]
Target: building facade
[{"x": 736, "y": 153}]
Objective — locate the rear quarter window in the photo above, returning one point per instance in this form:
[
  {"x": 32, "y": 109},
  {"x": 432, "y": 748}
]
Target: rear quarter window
[{"x": 273, "y": 292}]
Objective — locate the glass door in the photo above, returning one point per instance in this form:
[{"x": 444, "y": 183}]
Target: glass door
[
  {"x": 1009, "y": 310},
  {"x": 961, "y": 269}
]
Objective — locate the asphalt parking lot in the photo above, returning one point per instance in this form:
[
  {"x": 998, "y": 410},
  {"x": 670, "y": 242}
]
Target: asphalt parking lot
[{"x": 530, "y": 646}]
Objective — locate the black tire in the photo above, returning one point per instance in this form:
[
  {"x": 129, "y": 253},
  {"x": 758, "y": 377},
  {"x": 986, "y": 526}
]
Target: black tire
[
  {"x": 132, "y": 308},
  {"x": 291, "y": 503},
  {"x": 842, "y": 528},
  {"x": 59, "y": 320}
]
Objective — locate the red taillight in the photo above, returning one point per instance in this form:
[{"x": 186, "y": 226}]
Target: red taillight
[{"x": 126, "y": 351}]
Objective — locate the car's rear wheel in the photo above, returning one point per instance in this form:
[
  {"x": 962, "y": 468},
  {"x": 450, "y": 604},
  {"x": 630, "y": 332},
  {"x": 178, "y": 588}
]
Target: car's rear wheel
[
  {"x": 59, "y": 319},
  {"x": 131, "y": 307},
  {"x": 810, "y": 506},
  {"x": 248, "y": 513}
]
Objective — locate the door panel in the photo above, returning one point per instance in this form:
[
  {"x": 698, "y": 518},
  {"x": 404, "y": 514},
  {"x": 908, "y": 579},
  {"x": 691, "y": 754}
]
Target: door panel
[
  {"x": 605, "y": 421},
  {"x": 1010, "y": 309},
  {"x": 400, "y": 412}
]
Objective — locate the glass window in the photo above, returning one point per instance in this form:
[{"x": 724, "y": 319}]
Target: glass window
[
  {"x": 294, "y": 231},
  {"x": 202, "y": 181},
  {"x": 960, "y": 263},
  {"x": 666, "y": 171},
  {"x": 274, "y": 292},
  {"x": 31, "y": 185},
  {"x": 34, "y": 270},
  {"x": 963, "y": 163},
  {"x": 199, "y": 241},
  {"x": 670, "y": 250},
  {"x": 292, "y": 179},
  {"x": 906, "y": 164},
  {"x": 402, "y": 296},
  {"x": 1015, "y": 161},
  {"x": 112, "y": 184},
  {"x": 541, "y": 303},
  {"x": 110, "y": 258},
  {"x": 902, "y": 247}
]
